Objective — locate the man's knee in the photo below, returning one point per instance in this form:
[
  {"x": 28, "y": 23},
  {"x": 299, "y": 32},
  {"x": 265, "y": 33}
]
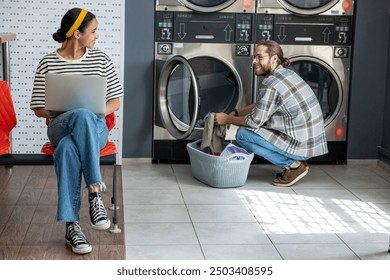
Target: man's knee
[{"x": 241, "y": 131}]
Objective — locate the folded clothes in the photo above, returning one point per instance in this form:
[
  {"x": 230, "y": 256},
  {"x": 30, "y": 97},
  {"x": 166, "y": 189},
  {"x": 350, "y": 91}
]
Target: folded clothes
[{"x": 232, "y": 149}]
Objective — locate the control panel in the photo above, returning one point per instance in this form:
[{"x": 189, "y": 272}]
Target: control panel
[
  {"x": 188, "y": 27},
  {"x": 297, "y": 30}
]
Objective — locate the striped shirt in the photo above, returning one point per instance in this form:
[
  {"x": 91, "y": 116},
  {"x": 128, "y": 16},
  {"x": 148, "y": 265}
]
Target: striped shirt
[
  {"x": 93, "y": 63},
  {"x": 287, "y": 114}
]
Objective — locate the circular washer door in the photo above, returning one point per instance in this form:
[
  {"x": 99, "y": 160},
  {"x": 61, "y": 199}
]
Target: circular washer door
[
  {"x": 304, "y": 7},
  {"x": 219, "y": 87},
  {"x": 189, "y": 90},
  {"x": 325, "y": 83},
  {"x": 207, "y": 6},
  {"x": 178, "y": 97}
]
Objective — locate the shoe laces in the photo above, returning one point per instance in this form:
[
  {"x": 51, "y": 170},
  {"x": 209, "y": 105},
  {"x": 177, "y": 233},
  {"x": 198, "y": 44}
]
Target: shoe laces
[
  {"x": 76, "y": 235},
  {"x": 284, "y": 173},
  {"x": 97, "y": 208}
]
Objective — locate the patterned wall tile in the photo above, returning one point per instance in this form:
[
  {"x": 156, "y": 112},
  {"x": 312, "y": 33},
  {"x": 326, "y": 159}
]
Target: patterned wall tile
[{"x": 34, "y": 22}]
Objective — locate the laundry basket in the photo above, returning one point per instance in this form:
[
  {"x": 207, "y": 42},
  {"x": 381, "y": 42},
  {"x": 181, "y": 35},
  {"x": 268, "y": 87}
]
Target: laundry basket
[{"x": 218, "y": 171}]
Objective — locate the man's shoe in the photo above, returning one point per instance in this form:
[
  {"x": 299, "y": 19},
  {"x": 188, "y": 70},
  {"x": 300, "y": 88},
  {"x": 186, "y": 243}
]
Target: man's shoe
[
  {"x": 278, "y": 175},
  {"x": 97, "y": 212},
  {"x": 75, "y": 238},
  {"x": 305, "y": 164},
  {"x": 290, "y": 176}
]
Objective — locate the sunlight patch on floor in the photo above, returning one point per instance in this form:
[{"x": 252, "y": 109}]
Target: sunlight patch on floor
[{"x": 282, "y": 213}]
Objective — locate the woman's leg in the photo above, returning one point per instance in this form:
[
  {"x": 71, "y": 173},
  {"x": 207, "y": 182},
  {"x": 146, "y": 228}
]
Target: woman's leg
[
  {"x": 90, "y": 135},
  {"x": 87, "y": 134},
  {"x": 68, "y": 169}
]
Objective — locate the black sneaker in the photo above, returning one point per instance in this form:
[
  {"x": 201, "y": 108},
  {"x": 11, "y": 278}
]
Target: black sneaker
[
  {"x": 75, "y": 238},
  {"x": 97, "y": 212}
]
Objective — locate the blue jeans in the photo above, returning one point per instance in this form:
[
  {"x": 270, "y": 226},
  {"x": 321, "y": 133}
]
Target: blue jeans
[
  {"x": 78, "y": 136},
  {"x": 254, "y": 143}
]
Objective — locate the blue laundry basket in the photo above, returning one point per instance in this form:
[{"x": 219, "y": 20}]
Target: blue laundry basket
[{"x": 218, "y": 171}]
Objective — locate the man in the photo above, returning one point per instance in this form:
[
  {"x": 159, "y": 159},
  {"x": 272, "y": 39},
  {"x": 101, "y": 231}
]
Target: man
[{"x": 285, "y": 125}]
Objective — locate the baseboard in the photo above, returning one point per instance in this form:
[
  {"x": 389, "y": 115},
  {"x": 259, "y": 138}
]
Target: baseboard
[
  {"x": 132, "y": 161},
  {"x": 362, "y": 161},
  {"x": 384, "y": 165},
  {"x": 384, "y": 152}
]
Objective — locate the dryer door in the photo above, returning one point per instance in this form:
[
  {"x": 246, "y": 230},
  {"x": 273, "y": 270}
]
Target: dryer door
[
  {"x": 325, "y": 83},
  {"x": 305, "y": 7},
  {"x": 207, "y": 6}
]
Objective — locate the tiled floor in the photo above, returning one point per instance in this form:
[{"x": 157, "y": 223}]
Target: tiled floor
[{"x": 337, "y": 212}]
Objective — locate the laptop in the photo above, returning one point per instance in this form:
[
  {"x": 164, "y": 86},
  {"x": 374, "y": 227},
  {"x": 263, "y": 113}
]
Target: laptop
[{"x": 64, "y": 92}]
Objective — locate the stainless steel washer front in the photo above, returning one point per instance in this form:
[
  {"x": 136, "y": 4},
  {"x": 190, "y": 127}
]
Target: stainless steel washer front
[
  {"x": 194, "y": 80},
  {"x": 207, "y": 6},
  {"x": 203, "y": 64},
  {"x": 317, "y": 36},
  {"x": 328, "y": 75},
  {"x": 306, "y": 7}
]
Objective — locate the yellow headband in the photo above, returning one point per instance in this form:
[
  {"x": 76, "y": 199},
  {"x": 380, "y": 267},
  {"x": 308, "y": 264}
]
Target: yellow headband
[{"x": 75, "y": 26}]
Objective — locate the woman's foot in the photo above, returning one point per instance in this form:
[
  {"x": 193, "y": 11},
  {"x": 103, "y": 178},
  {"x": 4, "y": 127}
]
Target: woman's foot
[
  {"x": 97, "y": 212},
  {"x": 76, "y": 239}
]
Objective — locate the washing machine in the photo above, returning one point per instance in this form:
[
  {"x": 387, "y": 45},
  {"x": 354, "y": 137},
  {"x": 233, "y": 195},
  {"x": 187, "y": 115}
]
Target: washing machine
[
  {"x": 317, "y": 36},
  {"x": 203, "y": 64},
  {"x": 306, "y": 7},
  {"x": 207, "y": 6}
]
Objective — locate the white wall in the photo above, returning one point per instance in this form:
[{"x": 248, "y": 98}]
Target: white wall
[{"x": 34, "y": 22}]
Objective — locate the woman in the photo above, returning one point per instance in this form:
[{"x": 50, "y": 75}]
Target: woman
[{"x": 79, "y": 134}]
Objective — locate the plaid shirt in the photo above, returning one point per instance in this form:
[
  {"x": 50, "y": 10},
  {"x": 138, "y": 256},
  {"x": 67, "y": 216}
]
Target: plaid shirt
[{"x": 288, "y": 115}]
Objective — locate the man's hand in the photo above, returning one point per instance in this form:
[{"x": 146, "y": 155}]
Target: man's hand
[
  {"x": 228, "y": 119},
  {"x": 222, "y": 118}
]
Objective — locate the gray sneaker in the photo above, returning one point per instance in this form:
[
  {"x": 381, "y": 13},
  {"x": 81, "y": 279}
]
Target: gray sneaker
[{"x": 76, "y": 239}]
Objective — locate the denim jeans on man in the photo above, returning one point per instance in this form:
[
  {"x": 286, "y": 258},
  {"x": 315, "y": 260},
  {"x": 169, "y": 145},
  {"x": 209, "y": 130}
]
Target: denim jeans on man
[
  {"x": 254, "y": 143},
  {"x": 78, "y": 136}
]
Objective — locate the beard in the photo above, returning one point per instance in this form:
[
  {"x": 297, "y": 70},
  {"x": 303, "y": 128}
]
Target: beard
[{"x": 263, "y": 70}]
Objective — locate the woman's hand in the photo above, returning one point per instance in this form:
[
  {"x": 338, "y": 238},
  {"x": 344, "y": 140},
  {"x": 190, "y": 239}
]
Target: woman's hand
[
  {"x": 112, "y": 105},
  {"x": 42, "y": 113}
]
